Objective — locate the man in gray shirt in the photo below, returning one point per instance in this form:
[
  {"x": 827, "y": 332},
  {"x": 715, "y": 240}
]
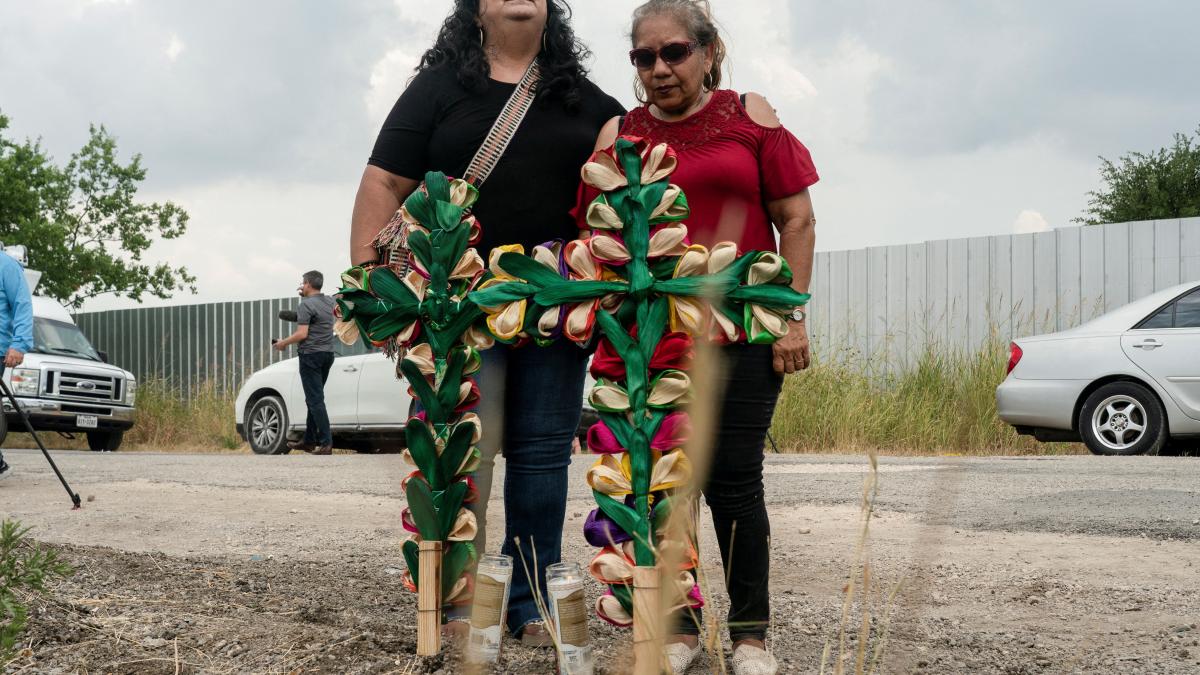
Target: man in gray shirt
[{"x": 315, "y": 337}]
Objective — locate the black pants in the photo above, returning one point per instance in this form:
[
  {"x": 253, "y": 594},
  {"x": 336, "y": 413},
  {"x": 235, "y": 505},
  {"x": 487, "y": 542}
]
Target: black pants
[
  {"x": 734, "y": 489},
  {"x": 314, "y": 373}
]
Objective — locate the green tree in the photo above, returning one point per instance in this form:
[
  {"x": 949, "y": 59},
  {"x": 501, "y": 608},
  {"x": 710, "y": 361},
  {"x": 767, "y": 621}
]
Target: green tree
[
  {"x": 1161, "y": 184},
  {"x": 82, "y": 224}
]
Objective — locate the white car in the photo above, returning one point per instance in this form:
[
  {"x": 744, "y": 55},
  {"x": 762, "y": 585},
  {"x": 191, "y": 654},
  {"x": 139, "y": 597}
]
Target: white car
[
  {"x": 1127, "y": 383},
  {"x": 368, "y": 406}
]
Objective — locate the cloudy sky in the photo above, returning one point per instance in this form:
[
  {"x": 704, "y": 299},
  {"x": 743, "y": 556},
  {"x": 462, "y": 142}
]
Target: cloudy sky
[{"x": 927, "y": 119}]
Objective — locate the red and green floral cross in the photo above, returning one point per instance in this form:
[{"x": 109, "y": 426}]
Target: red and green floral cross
[
  {"x": 427, "y": 312},
  {"x": 651, "y": 293}
]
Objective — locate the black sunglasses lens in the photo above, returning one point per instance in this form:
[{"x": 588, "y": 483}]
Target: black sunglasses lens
[
  {"x": 674, "y": 54},
  {"x": 643, "y": 58}
]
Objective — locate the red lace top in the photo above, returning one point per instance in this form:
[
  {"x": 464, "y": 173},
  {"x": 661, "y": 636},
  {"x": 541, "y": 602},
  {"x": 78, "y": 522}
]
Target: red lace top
[{"x": 729, "y": 167}]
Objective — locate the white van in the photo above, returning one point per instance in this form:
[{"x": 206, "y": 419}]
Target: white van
[{"x": 64, "y": 384}]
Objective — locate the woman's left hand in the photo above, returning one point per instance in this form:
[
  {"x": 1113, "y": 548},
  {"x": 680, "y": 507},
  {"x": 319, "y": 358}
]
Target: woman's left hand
[{"x": 791, "y": 351}]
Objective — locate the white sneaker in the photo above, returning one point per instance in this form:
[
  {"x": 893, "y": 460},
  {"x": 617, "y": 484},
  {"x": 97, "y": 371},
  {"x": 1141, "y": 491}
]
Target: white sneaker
[
  {"x": 750, "y": 660},
  {"x": 680, "y": 656}
]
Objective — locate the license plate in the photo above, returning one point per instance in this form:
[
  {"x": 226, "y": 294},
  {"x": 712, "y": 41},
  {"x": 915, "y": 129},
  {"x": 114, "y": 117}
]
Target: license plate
[{"x": 87, "y": 421}]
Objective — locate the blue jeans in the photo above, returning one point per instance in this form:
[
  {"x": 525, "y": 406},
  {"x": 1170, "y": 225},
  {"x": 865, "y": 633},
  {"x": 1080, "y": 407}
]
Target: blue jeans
[
  {"x": 314, "y": 373},
  {"x": 531, "y": 400}
]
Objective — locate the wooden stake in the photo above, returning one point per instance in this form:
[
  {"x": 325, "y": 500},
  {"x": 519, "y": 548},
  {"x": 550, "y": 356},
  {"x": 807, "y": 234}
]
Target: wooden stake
[
  {"x": 429, "y": 599},
  {"x": 647, "y": 621}
]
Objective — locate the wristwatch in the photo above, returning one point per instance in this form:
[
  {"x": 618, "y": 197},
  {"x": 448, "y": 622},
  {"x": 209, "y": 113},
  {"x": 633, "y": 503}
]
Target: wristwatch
[{"x": 798, "y": 314}]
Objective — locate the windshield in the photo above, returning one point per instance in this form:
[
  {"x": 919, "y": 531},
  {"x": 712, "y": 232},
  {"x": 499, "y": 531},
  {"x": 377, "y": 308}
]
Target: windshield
[{"x": 59, "y": 337}]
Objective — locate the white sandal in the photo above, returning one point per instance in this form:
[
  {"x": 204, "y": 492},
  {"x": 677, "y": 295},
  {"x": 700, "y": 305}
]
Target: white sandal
[
  {"x": 681, "y": 656},
  {"x": 750, "y": 660}
]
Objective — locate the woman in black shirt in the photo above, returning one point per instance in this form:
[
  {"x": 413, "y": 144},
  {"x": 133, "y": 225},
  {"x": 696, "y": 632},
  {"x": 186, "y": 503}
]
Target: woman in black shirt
[{"x": 531, "y": 396}]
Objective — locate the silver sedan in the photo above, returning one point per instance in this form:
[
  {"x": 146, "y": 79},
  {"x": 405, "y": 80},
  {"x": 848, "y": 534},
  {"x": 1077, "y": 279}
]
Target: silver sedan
[{"x": 1127, "y": 383}]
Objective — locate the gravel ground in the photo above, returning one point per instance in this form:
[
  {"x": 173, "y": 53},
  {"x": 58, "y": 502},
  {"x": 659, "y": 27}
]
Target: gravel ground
[{"x": 230, "y": 563}]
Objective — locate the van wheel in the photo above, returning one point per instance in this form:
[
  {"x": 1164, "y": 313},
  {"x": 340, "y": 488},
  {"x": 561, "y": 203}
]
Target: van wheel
[
  {"x": 1123, "y": 418},
  {"x": 105, "y": 441},
  {"x": 266, "y": 426},
  {"x": 3, "y": 427}
]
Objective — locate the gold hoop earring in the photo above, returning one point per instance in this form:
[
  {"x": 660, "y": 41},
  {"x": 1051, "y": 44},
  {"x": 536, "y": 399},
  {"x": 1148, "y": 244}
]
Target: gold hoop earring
[
  {"x": 708, "y": 81},
  {"x": 481, "y": 39}
]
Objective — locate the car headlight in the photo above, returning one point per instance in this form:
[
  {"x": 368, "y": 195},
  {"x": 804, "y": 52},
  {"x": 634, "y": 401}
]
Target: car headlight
[
  {"x": 26, "y": 381},
  {"x": 130, "y": 391}
]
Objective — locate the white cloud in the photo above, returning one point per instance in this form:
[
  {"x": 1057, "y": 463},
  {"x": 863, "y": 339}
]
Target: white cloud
[
  {"x": 1028, "y": 222},
  {"x": 174, "y": 48},
  {"x": 389, "y": 77}
]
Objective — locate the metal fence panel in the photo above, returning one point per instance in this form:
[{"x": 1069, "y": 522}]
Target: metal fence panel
[{"x": 890, "y": 303}]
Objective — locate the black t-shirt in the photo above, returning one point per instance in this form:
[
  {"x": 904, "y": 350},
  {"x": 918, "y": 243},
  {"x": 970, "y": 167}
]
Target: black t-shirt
[{"x": 437, "y": 125}]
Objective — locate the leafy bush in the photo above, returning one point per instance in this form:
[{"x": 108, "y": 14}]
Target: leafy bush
[{"x": 25, "y": 568}]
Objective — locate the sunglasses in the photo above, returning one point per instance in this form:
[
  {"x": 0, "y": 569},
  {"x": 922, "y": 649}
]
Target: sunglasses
[{"x": 672, "y": 55}]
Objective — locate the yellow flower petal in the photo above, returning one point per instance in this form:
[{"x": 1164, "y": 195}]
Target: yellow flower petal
[
  {"x": 494, "y": 260},
  {"x": 693, "y": 262},
  {"x": 669, "y": 241},
  {"x": 422, "y": 357},
  {"x": 609, "y": 249},
  {"x": 609, "y": 607},
  {"x": 657, "y": 164},
  {"x": 606, "y": 396},
  {"x": 687, "y": 314},
  {"x": 764, "y": 319},
  {"x": 580, "y": 261},
  {"x": 462, "y": 193},
  {"x": 347, "y": 332},
  {"x": 722, "y": 256},
  {"x": 671, "y": 207},
  {"x": 672, "y": 387},
  {"x": 507, "y": 322},
  {"x": 548, "y": 323},
  {"x": 607, "y": 476},
  {"x": 469, "y": 266},
  {"x": 765, "y": 270},
  {"x": 603, "y": 173},
  {"x": 672, "y": 470},
  {"x": 601, "y": 216},
  {"x": 465, "y": 526},
  {"x": 478, "y": 339},
  {"x": 547, "y": 255}
]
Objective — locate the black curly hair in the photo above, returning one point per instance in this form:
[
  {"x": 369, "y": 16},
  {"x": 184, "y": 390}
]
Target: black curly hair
[{"x": 561, "y": 59}]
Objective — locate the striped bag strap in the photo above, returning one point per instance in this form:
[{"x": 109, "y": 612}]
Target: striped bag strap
[{"x": 505, "y": 127}]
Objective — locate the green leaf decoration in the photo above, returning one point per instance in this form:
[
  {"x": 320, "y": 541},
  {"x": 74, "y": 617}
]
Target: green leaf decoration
[
  {"x": 423, "y": 449},
  {"x": 412, "y": 556},
  {"x": 424, "y": 392},
  {"x": 457, "y": 449},
  {"x": 458, "y": 558},
  {"x": 449, "y": 504},
  {"x": 424, "y": 513}
]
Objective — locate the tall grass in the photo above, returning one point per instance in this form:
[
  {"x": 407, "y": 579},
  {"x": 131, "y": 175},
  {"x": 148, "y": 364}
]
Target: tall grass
[
  {"x": 201, "y": 421},
  {"x": 943, "y": 404},
  {"x": 167, "y": 421}
]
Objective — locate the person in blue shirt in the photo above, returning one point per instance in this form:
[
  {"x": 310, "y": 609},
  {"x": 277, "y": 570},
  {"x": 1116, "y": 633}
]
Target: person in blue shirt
[{"x": 16, "y": 322}]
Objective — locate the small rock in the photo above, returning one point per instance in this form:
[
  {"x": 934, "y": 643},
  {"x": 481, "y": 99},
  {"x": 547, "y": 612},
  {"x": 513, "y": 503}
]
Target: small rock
[
  {"x": 154, "y": 643},
  {"x": 804, "y": 530},
  {"x": 92, "y": 498}
]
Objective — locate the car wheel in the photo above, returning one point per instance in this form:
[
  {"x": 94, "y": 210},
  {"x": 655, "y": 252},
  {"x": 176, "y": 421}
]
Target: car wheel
[
  {"x": 105, "y": 441},
  {"x": 266, "y": 426},
  {"x": 1123, "y": 418}
]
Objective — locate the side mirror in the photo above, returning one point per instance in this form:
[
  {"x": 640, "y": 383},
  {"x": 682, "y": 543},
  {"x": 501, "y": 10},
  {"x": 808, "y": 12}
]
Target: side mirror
[{"x": 103, "y": 356}]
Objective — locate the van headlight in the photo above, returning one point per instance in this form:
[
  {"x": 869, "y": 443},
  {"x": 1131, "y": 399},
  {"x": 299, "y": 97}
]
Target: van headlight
[
  {"x": 130, "y": 391},
  {"x": 26, "y": 381}
]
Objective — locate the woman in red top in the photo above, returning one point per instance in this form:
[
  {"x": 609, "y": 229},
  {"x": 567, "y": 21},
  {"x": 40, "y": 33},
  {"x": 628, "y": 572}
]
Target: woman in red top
[{"x": 746, "y": 179}]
